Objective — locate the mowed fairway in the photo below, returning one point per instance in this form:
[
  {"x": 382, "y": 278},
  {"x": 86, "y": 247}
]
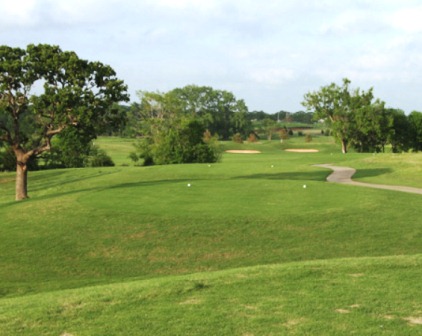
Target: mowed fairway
[{"x": 246, "y": 249}]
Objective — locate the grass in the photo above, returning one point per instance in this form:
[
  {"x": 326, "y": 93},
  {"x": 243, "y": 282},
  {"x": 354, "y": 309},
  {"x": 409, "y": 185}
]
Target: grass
[
  {"x": 365, "y": 296},
  {"x": 246, "y": 250}
]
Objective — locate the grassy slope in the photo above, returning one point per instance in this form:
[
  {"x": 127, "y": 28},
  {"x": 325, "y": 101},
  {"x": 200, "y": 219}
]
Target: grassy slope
[
  {"x": 97, "y": 226},
  {"x": 367, "y": 296}
]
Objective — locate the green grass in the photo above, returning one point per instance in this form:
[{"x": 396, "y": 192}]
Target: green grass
[
  {"x": 118, "y": 148},
  {"x": 367, "y": 296},
  {"x": 246, "y": 250}
]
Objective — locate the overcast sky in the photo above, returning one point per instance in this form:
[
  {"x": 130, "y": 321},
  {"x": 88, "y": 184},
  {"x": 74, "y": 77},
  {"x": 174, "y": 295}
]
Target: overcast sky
[{"x": 267, "y": 52}]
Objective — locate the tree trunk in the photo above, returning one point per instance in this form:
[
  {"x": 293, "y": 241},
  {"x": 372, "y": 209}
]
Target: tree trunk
[
  {"x": 21, "y": 181},
  {"x": 344, "y": 146}
]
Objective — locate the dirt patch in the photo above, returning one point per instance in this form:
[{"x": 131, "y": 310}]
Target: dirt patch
[
  {"x": 242, "y": 151},
  {"x": 342, "y": 311},
  {"x": 191, "y": 301},
  {"x": 414, "y": 320},
  {"x": 302, "y": 150}
]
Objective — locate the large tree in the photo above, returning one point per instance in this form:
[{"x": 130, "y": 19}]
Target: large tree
[
  {"x": 339, "y": 105},
  {"x": 43, "y": 91},
  {"x": 220, "y": 111}
]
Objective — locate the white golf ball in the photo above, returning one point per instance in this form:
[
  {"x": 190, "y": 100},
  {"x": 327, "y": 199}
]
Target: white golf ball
[
  {"x": 188, "y": 184},
  {"x": 304, "y": 186}
]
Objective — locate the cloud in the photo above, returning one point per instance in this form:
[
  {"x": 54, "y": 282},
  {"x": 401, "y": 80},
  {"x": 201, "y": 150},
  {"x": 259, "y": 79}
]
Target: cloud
[
  {"x": 255, "y": 48},
  {"x": 408, "y": 20},
  {"x": 18, "y": 13},
  {"x": 271, "y": 76}
]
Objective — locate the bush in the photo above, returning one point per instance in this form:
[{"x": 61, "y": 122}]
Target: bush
[
  {"x": 177, "y": 141},
  {"x": 284, "y": 134},
  {"x": 308, "y": 138},
  {"x": 98, "y": 158},
  {"x": 252, "y": 138},
  {"x": 237, "y": 138}
]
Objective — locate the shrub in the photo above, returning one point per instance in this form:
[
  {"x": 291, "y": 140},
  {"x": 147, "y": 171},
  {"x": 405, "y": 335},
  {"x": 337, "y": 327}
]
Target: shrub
[
  {"x": 175, "y": 141},
  {"x": 252, "y": 138},
  {"x": 284, "y": 134},
  {"x": 308, "y": 137},
  {"x": 98, "y": 158},
  {"x": 237, "y": 138}
]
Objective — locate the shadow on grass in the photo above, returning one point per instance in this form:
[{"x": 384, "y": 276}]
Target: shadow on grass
[
  {"x": 305, "y": 176},
  {"x": 317, "y": 175},
  {"x": 38, "y": 180},
  {"x": 361, "y": 173},
  {"x": 94, "y": 189}
]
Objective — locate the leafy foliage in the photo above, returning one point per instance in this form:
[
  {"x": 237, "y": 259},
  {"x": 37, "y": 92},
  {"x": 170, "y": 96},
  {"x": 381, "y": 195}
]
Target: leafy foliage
[
  {"x": 178, "y": 140},
  {"x": 415, "y": 123},
  {"x": 73, "y": 148},
  {"x": 355, "y": 118},
  {"x": 74, "y": 92},
  {"x": 219, "y": 111}
]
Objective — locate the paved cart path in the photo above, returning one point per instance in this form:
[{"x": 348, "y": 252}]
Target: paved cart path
[{"x": 344, "y": 175}]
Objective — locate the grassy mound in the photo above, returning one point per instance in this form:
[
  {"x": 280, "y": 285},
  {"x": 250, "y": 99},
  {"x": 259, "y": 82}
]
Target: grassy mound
[{"x": 363, "y": 296}]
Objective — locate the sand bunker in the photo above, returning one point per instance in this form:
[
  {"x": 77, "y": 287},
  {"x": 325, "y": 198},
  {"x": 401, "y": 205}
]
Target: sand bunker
[
  {"x": 240, "y": 151},
  {"x": 302, "y": 150}
]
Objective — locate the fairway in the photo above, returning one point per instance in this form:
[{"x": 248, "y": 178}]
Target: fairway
[{"x": 257, "y": 244}]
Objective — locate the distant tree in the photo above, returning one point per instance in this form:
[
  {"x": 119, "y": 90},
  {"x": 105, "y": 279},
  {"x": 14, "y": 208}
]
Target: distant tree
[
  {"x": 338, "y": 105},
  {"x": 43, "y": 91},
  {"x": 302, "y": 117},
  {"x": 259, "y": 115},
  {"x": 218, "y": 110},
  {"x": 269, "y": 126},
  {"x": 373, "y": 126},
  {"x": 400, "y": 136},
  {"x": 415, "y": 126}
]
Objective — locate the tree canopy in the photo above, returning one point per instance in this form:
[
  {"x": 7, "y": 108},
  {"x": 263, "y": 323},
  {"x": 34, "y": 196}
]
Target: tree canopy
[
  {"x": 218, "y": 110},
  {"x": 355, "y": 117},
  {"x": 43, "y": 91}
]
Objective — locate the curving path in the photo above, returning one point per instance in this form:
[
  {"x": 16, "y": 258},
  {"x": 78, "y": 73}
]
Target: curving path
[{"x": 344, "y": 175}]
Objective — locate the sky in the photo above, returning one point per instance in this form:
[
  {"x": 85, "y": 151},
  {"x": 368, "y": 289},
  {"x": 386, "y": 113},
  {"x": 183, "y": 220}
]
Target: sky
[{"x": 269, "y": 53}]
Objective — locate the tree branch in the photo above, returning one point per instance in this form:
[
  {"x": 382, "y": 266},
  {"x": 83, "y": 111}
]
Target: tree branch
[{"x": 7, "y": 136}]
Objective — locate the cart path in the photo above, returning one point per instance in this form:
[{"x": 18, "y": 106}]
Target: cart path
[{"x": 344, "y": 175}]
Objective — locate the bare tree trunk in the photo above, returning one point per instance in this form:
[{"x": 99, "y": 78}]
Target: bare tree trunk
[
  {"x": 21, "y": 191},
  {"x": 21, "y": 181},
  {"x": 344, "y": 146}
]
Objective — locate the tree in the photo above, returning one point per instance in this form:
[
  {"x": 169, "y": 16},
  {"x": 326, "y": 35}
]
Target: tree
[
  {"x": 219, "y": 110},
  {"x": 373, "y": 126},
  {"x": 400, "y": 136},
  {"x": 269, "y": 126},
  {"x": 338, "y": 106},
  {"x": 43, "y": 91},
  {"x": 415, "y": 123},
  {"x": 174, "y": 141}
]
